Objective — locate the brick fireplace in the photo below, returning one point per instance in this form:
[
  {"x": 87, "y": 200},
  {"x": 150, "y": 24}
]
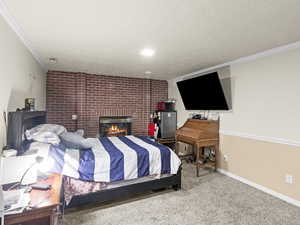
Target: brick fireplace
[{"x": 91, "y": 96}]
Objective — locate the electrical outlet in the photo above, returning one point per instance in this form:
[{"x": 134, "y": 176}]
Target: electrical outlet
[
  {"x": 74, "y": 117},
  {"x": 288, "y": 179},
  {"x": 226, "y": 158}
]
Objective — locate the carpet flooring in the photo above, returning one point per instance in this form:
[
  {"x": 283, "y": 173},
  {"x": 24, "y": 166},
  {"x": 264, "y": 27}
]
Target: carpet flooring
[{"x": 212, "y": 199}]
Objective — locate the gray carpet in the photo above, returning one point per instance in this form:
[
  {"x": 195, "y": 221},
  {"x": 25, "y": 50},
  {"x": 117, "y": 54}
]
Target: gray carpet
[{"x": 208, "y": 200}]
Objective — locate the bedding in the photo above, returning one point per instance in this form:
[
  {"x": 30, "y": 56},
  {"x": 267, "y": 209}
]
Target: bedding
[
  {"x": 112, "y": 159},
  {"x": 45, "y": 137},
  {"x": 45, "y": 133},
  {"x": 74, "y": 187},
  {"x": 53, "y": 128}
]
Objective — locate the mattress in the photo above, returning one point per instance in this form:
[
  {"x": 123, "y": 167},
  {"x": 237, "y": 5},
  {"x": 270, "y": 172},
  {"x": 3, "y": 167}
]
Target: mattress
[{"x": 111, "y": 159}]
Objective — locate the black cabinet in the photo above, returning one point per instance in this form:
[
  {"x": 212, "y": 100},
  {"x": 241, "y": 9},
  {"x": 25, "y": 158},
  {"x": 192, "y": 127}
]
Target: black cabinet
[{"x": 18, "y": 122}]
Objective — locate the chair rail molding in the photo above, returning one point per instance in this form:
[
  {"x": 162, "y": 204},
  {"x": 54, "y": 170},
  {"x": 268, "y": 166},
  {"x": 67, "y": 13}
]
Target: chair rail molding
[{"x": 261, "y": 138}]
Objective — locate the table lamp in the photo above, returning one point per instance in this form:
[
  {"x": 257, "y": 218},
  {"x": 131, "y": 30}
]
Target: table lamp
[{"x": 38, "y": 160}]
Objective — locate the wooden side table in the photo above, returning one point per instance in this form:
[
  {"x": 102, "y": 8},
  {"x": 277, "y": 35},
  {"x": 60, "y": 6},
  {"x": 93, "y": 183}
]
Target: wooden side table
[
  {"x": 170, "y": 142},
  {"x": 45, "y": 205}
]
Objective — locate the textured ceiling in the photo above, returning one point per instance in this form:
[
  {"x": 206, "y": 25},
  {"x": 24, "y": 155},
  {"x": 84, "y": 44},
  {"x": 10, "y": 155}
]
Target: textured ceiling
[{"x": 105, "y": 37}]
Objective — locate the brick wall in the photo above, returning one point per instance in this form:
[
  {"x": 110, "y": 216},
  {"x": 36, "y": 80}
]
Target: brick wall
[{"x": 90, "y": 96}]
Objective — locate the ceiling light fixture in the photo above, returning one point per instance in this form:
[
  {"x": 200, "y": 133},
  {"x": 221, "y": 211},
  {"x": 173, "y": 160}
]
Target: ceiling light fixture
[
  {"x": 52, "y": 60},
  {"x": 148, "y": 72},
  {"x": 147, "y": 52}
]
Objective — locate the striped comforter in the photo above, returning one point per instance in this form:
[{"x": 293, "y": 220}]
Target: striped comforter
[{"x": 113, "y": 159}]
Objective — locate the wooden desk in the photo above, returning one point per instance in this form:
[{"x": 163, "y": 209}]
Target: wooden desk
[
  {"x": 45, "y": 205},
  {"x": 199, "y": 134}
]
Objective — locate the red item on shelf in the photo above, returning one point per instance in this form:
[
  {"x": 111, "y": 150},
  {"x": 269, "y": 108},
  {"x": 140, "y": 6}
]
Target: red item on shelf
[
  {"x": 161, "y": 106},
  {"x": 151, "y": 129}
]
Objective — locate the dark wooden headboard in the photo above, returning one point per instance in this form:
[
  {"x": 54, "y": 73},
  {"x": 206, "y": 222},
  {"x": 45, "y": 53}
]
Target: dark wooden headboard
[{"x": 19, "y": 122}]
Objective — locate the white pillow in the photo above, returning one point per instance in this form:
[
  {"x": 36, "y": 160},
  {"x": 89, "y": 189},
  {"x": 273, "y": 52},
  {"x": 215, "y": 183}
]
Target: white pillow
[
  {"x": 45, "y": 137},
  {"x": 80, "y": 132},
  {"x": 53, "y": 128}
]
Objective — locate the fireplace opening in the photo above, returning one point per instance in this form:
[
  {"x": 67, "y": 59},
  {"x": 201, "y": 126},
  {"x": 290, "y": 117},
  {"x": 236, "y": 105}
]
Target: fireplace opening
[{"x": 114, "y": 126}]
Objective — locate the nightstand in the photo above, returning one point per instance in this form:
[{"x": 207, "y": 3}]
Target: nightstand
[{"x": 45, "y": 205}]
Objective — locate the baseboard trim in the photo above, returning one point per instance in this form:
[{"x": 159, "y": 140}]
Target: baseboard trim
[
  {"x": 260, "y": 187},
  {"x": 261, "y": 138}
]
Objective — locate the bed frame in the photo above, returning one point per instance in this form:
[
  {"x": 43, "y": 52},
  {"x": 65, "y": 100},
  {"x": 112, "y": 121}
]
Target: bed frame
[
  {"x": 30, "y": 119},
  {"x": 173, "y": 181}
]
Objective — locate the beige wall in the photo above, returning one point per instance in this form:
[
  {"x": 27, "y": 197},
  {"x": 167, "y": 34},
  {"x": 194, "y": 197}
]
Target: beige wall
[
  {"x": 20, "y": 75},
  {"x": 263, "y": 163},
  {"x": 265, "y": 96}
]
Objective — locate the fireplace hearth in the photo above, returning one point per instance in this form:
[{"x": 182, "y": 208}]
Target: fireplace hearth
[{"x": 114, "y": 126}]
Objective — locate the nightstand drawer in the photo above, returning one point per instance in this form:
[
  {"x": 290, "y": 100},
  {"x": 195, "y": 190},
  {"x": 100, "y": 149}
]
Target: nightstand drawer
[
  {"x": 41, "y": 221},
  {"x": 36, "y": 217}
]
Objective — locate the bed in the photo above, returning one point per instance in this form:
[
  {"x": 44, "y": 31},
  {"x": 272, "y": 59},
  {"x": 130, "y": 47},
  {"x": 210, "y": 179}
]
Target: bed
[{"x": 121, "y": 166}]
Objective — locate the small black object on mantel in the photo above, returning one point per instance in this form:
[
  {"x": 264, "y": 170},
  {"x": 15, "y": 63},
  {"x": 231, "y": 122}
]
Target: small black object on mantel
[{"x": 199, "y": 117}]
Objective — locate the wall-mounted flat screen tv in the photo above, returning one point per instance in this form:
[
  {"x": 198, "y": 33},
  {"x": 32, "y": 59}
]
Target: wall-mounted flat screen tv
[{"x": 203, "y": 93}]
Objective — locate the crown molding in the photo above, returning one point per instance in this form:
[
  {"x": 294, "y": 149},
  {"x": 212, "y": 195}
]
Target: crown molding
[
  {"x": 4, "y": 11},
  {"x": 249, "y": 58}
]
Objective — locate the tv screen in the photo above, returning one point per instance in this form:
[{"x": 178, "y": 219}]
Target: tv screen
[{"x": 203, "y": 93}]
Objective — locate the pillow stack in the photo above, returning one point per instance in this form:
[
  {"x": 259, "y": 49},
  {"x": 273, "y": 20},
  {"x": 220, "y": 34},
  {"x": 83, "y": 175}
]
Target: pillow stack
[
  {"x": 55, "y": 134},
  {"x": 45, "y": 133}
]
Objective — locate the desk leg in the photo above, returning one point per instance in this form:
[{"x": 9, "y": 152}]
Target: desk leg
[
  {"x": 216, "y": 147},
  {"x": 198, "y": 149},
  {"x": 177, "y": 147},
  {"x": 194, "y": 155}
]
